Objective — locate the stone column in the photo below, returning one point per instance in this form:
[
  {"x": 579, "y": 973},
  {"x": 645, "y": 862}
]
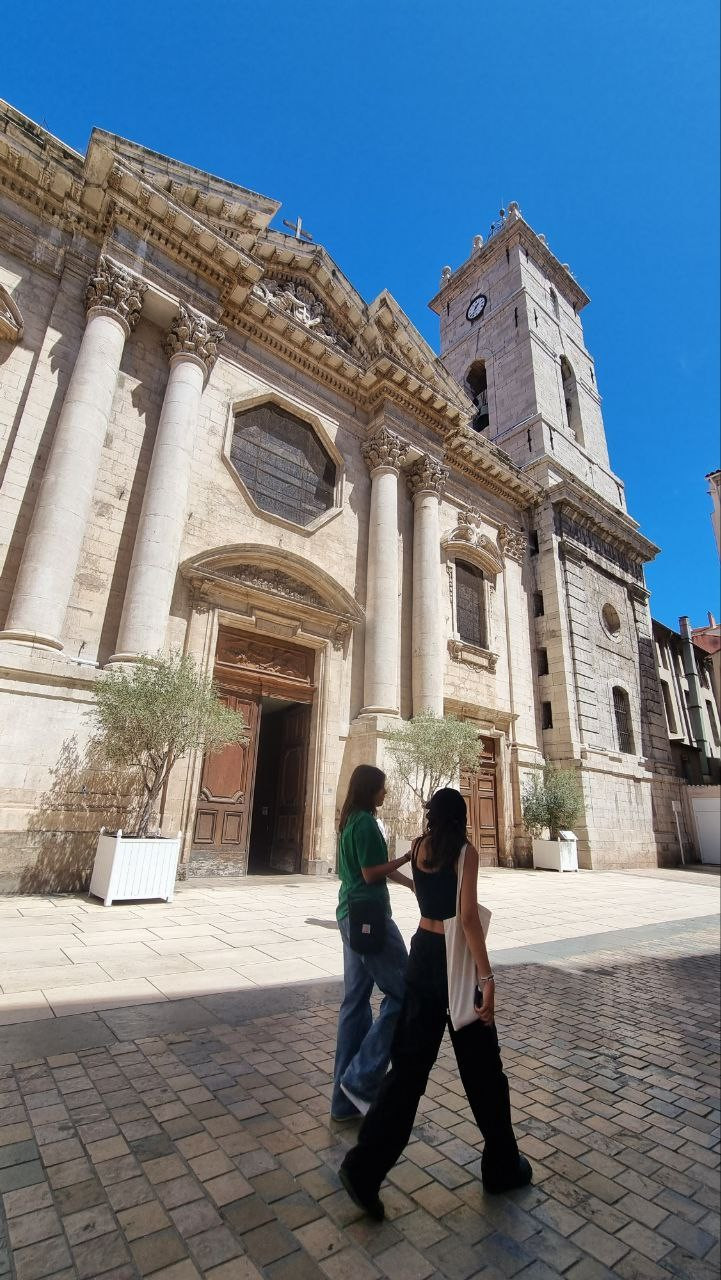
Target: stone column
[
  {"x": 383, "y": 453},
  {"x": 425, "y": 482},
  {"x": 192, "y": 347},
  {"x": 113, "y": 300}
]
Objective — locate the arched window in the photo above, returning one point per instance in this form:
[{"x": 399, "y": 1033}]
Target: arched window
[
  {"x": 624, "y": 729},
  {"x": 477, "y": 382},
  {"x": 282, "y": 463},
  {"x": 554, "y": 302},
  {"x": 470, "y": 605},
  {"x": 570, "y": 398}
]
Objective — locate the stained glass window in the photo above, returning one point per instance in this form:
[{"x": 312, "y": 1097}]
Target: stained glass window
[
  {"x": 470, "y": 612},
  {"x": 283, "y": 464}
]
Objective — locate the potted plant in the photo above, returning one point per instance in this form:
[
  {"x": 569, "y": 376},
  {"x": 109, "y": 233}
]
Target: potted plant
[
  {"x": 148, "y": 716},
  {"x": 552, "y": 802}
]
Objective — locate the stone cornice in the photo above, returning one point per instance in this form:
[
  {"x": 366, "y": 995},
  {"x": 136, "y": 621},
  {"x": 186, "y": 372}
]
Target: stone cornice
[
  {"x": 474, "y": 456},
  {"x": 591, "y": 512},
  {"x": 515, "y": 230}
]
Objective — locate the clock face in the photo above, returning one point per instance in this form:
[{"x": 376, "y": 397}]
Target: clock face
[{"x": 476, "y": 306}]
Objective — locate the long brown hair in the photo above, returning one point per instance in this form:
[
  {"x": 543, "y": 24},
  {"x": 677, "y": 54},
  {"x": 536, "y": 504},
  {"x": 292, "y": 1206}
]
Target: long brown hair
[
  {"x": 365, "y": 783},
  {"x": 446, "y": 819}
]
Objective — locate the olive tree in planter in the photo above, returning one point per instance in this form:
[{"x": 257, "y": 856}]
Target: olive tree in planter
[
  {"x": 552, "y": 802},
  {"x": 429, "y": 752},
  {"x": 148, "y": 716}
]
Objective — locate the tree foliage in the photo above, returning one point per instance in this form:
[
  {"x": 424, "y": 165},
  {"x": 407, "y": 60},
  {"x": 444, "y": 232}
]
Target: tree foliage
[
  {"x": 553, "y": 800},
  {"x": 154, "y": 713},
  {"x": 429, "y": 751}
]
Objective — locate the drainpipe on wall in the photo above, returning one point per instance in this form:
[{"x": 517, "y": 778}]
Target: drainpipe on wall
[{"x": 694, "y": 696}]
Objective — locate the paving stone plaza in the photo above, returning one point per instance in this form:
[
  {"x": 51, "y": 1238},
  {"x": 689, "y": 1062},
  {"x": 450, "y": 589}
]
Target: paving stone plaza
[{"x": 165, "y": 1078}]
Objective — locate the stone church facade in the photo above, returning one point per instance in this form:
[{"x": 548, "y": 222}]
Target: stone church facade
[{"x": 209, "y": 442}]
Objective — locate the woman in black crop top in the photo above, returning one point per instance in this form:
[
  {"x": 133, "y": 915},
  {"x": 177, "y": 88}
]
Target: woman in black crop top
[{"x": 387, "y": 1127}]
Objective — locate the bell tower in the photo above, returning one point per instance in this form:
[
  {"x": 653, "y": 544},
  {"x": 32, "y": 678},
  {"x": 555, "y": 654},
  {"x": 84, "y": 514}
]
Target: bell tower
[{"x": 511, "y": 335}]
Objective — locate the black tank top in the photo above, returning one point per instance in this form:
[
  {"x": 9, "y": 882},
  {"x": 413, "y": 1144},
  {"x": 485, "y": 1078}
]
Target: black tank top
[{"x": 436, "y": 891}]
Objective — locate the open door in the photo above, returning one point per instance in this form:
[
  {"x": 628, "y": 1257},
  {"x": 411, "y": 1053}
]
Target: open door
[
  {"x": 479, "y": 792},
  {"x": 287, "y": 847}
]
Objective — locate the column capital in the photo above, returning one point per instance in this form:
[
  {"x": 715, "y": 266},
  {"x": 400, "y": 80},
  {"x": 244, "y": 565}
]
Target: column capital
[
  {"x": 194, "y": 336},
  {"x": 512, "y": 542},
  {"x": 426, "y": 476},
  {"x": 384, "y": 449},
  {"x": 113, "y": 291}
]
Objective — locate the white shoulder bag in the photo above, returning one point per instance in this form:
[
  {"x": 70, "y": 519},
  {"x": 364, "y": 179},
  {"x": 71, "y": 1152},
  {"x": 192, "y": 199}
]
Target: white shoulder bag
[{"x": 460, "y": 963}]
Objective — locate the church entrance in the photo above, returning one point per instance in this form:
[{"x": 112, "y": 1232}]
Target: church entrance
[
  {"x": 251, "y": 805},
  {"x": 479, "y": 792}
]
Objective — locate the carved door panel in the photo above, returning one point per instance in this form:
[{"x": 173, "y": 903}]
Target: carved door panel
[
  {"x": 287, "y": 846},
  {"x": 479, "y": 790},
  {"x": 222, "y": 818}
]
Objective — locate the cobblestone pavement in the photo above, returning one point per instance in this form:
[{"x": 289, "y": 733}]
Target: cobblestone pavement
[
  {"x": 191, "y": 1138},
  {"x": 68, "y": 955}
]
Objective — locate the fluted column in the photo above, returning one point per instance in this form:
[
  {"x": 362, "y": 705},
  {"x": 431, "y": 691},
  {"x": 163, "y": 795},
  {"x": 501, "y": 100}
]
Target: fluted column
[
  {"x": 113, "y": 300},
  {"x": 383, "y": 453},
  {"x": 426, "y": 479},
  {"x": 192, "y": 347}
]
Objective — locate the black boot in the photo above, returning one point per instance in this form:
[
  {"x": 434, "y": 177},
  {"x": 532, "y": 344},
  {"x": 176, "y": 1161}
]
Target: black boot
[
  {"x": 369, "y": 1201},
  {"x": 496, "y": 1185}
]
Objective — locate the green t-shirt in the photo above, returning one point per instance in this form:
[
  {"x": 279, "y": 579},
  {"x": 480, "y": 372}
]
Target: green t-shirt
[{"x": 361, "y": 844}]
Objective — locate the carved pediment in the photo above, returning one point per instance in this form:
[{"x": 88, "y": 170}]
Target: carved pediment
[
  {"x": 274, "y": 581},
  {"x": 303, "y": 304},
  {"x": 467, "y": 542},
  {"x": 11, "y": 321}
]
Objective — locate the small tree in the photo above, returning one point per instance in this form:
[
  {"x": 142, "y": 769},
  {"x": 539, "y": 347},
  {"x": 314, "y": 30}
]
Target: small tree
[
  {"x": 554, "y": 801},
  {"x": 429, "y": 751},
  {"x": 156, "y": 712}
]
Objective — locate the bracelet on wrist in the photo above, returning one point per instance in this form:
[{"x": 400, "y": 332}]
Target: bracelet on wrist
[{"x": 490, "y": 977}]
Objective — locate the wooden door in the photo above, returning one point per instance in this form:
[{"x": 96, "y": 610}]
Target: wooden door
[
  {"x": 479, "y": 790},
  {"x": 287, "y": 847},
  {"x": 222, "y": 818}
]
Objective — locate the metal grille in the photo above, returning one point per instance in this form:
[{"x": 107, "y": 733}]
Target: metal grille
[
  {"x": 283, "y": 464},
  {"x": 623, "y": 721},
  {"x": 470, "y": 613}
]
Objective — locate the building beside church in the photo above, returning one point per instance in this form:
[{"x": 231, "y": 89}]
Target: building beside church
[{"x": 210, "y": 442}]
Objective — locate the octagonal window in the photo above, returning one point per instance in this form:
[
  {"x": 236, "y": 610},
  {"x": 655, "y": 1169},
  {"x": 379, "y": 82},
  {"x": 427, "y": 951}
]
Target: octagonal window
[{"x": 282, "y": 463}]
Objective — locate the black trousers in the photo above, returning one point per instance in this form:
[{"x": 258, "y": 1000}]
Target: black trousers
[{"x": 387, "y": 1128}]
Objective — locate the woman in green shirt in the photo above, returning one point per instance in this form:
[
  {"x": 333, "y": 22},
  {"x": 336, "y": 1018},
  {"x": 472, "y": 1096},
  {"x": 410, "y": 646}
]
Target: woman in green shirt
[{"x": 363, "y": 1046}]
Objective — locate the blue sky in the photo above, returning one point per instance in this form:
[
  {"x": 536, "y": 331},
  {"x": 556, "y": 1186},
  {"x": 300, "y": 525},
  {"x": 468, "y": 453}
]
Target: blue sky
[{"x": 397, "y": 128}]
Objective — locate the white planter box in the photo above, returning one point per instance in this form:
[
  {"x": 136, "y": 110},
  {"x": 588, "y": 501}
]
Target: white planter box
[
  {"x": 127, "y": 870},
  {"x": 555, "y": 855}
]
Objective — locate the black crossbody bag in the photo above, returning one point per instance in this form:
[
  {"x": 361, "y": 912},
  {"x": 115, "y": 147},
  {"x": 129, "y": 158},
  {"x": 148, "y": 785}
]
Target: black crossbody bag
[{"x": 367, "y": 926}]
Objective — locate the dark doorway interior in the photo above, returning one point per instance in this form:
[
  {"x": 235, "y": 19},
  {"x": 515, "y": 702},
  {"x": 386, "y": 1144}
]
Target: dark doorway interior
[{"x": 276, "y": 828}]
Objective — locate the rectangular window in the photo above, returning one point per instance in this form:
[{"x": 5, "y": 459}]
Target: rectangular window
[
  {"x": 622, "y": 712},
  {"x": 712, "y": 723},
  {"x": 543, "y": 662},
  {"x": 538, "y": 609},
  {"x": 661, "y": 654},
  {"x": 533, "y": 542},
  {"x": 668, "y": 708},
  {"x": 546, "y": 715},
  {"x": 470, "y": 613}
]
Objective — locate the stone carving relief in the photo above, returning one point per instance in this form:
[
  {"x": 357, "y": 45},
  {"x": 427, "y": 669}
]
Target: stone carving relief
[
  {"x": 274, "y": 581},
  {"x": 426, "y": 475},
  {"x": 384, "y": 449},
  {"x": 11, "y": 321},
  {"x": 471, "y": 656},
  {"x": 243, "y": 651},
  {"x": 194, "y": 335},
  {"x": 512, "y": 542},
  {"x": 341, "y": 635},
  {"x": 467, "y": 534},
  {"x": 115, "y": 291},
  {"x": 301, "y": 305}
]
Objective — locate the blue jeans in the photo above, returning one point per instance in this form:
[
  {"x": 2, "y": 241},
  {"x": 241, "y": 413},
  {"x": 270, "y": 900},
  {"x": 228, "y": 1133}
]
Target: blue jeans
[{"x": 363, "y": 1048}]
